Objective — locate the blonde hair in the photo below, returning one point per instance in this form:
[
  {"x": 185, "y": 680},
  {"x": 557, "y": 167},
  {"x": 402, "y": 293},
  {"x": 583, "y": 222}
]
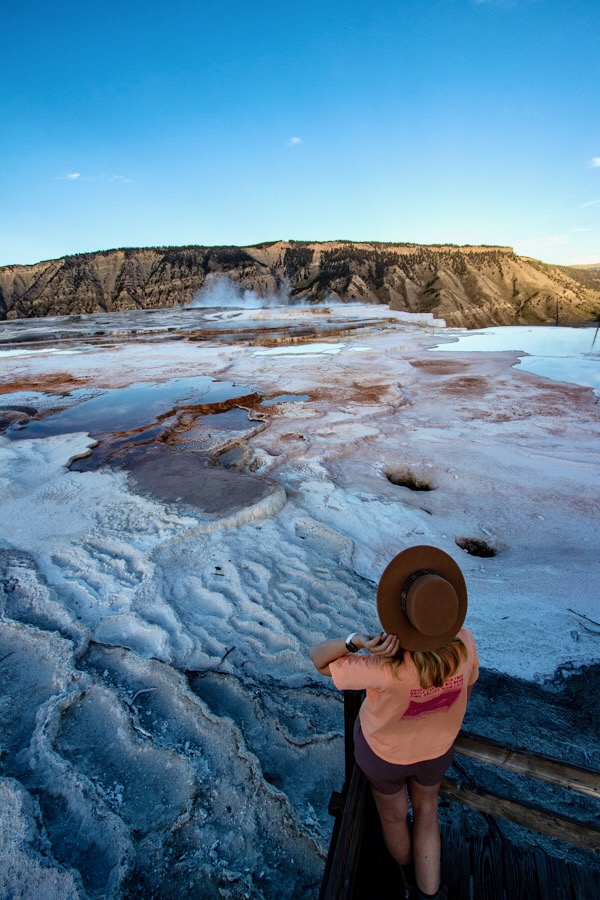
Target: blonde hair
[{"x": 433, "y": 666}]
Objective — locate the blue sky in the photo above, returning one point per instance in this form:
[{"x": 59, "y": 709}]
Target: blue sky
[{"x": 145, "y": 123}]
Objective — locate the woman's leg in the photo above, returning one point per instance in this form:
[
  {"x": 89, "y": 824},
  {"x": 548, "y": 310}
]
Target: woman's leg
[
  {"x": 426, "y": 835},
  {"x": 393, "y": 810}
]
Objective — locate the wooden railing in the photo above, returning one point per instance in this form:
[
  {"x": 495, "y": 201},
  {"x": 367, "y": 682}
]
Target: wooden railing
[{"x": 533, "y": 765}]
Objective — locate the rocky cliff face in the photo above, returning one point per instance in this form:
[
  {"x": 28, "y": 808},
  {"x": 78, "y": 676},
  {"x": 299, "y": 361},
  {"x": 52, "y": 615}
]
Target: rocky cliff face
[{"x": 467, "y": 286}]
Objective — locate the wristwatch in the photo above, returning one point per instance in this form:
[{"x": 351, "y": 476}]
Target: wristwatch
[{"x": 350, "y": 647}]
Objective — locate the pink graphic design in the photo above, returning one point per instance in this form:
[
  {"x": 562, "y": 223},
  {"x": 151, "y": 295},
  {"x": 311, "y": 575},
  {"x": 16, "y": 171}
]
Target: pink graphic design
[{"x": 435, "y": 701}]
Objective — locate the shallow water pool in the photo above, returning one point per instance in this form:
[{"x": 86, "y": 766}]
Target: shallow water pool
[
  {"x": 562, "y": 354},
  {"x": 129, "y": 408}
]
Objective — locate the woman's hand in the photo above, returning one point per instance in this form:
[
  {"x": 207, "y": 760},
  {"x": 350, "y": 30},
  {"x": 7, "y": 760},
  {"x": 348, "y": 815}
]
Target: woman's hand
[{"x": 383, "y": 645}]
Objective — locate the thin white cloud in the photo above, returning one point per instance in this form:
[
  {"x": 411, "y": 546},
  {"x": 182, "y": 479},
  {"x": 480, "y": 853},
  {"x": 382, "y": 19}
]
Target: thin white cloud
[
  {"x": 70, "y": 176},
  {"x": 122, "y": 179},
  {"x": 589, "y": 203},
  {"x": 294, "y": 141},
  {"x": 580, "y": 230},
  {"x": 595, "y": 162}
]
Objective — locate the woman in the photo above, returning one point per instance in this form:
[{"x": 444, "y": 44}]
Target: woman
[{"x": 418, "y": 674}]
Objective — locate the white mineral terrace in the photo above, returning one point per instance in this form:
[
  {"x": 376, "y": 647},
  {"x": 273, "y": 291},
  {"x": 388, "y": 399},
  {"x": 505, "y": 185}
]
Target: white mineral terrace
[{"x": 160, "y": 718}]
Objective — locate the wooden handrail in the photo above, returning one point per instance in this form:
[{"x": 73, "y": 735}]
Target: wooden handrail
[
  {"x": 527, "y": 814},
  {"x": 339, "y": 884},
  {"x": 525, "y": 762}
]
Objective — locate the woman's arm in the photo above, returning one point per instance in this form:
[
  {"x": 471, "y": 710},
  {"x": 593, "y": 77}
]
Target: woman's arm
[{"x": 324, "y": 653}]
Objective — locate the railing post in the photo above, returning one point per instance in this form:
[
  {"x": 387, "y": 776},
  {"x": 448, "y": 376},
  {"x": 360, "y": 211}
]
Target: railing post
[
  {"x": 341, "y": 869},
  {"x": 352, "y": 704}
]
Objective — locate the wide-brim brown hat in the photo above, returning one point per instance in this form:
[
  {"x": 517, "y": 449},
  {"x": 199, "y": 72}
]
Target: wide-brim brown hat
[{"x": 422, "y": 598}]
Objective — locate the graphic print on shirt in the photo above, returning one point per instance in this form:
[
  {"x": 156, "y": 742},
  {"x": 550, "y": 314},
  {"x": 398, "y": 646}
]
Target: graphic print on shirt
[{"x": 428, "y": 701}]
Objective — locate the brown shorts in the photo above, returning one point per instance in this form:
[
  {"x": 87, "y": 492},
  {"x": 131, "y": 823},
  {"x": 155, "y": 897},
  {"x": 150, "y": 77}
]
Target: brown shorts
[{"x": 389, "y": 778}]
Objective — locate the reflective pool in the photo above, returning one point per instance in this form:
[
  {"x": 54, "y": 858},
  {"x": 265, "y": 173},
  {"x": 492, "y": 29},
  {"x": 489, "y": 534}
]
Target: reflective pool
[{"x": 129, "y": 408}]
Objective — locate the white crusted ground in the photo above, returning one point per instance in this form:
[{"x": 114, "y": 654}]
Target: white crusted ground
[{"x": 163, "y": 732}]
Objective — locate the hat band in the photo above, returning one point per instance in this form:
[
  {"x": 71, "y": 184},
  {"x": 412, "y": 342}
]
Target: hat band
[{"x": 407, "y": 586}]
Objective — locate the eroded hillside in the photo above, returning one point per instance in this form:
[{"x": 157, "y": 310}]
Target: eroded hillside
[{"x": 467, "y": 286}]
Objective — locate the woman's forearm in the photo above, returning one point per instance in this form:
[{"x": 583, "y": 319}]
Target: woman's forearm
[
  {"x": 382, "y": 645},
  {"x": 325, "y": 652}
]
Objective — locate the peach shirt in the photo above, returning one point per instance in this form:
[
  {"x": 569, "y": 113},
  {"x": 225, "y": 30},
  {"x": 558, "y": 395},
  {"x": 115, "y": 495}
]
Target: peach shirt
[{"x": 401, "y": 721}]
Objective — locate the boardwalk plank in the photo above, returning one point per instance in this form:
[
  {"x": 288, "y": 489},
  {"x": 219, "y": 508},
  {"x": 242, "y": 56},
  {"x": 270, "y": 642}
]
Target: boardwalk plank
[
  {"x": 487, "y": 869},
  {"x": 585, "y": 883},
  {"x": 553, "y": 876},
  {"x": 520, "y": 877},
  {"x": 456, "y": 863},
  {"x": 377, "y": 877}
]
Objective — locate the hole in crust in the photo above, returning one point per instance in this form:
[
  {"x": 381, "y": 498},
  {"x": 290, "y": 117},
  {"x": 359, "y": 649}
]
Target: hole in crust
[
  {"x": 475, "y": 547},
  {"x": 406, "y": 478}
]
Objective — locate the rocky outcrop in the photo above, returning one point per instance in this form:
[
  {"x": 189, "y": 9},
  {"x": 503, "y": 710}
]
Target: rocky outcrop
[{"x": 467, "y": 286}]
